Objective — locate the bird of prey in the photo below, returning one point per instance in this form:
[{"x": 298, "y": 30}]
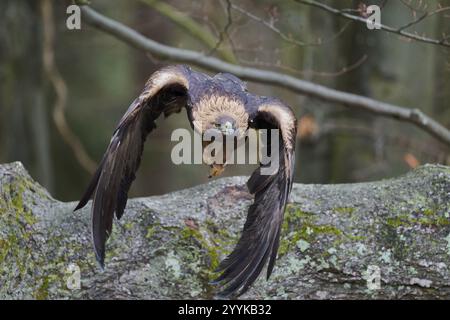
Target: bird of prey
[{"x": 221, "y": 102}]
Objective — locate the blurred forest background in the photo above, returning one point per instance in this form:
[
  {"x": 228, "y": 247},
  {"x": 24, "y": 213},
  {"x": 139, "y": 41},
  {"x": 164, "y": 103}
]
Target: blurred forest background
[{"x": 63, "y": 91}]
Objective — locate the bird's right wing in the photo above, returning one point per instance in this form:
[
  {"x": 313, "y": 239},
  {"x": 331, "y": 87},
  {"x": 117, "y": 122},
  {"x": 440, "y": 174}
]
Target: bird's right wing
[{"x": 165, "y": 92}]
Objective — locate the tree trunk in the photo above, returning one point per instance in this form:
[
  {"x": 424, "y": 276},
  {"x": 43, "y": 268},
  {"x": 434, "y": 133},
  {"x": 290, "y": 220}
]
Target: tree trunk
[{"x": 336, "y": 240}]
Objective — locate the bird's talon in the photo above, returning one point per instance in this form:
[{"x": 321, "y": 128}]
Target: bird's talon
[{"x": 216, "y": 170}]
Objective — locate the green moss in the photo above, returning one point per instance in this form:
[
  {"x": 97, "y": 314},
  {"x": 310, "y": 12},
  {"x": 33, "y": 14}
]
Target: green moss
[
  {"x": 42, "y": 292},
  {"x": 429, "y": 218},
  {"x": 17, "y": 259},
  {"x": 16, "y": 221},
  {"x": 156, "y": 228},
  {"x": 4, "y": 249},
  {"x": 326, "y": 229},
  {"x": 151, "y": 231},
  {"x": 211, "y": 249},
  {"x": 128, "y": 226},
  {"x": 300, "y": 225},
  {"x": 17, "y": 200},
  {"x": 284, "y": 247},
  {"x": 395, "y": 222},
  {"x": 294, "y": 215},
  {"x": 345, "y": 210}
]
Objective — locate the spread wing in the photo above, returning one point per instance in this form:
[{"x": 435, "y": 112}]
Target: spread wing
[
  {"x": 260, "y": 237},
  {"x": 165, "y": 92}
]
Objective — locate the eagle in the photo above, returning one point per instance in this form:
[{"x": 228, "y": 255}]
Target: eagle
[{"x": 219, "y": 102}]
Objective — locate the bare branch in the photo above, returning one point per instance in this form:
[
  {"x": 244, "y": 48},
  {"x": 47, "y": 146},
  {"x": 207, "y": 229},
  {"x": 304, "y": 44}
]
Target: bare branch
[
  {"x": 400, "y": 31},
  {"x": 353, "y": 101}
]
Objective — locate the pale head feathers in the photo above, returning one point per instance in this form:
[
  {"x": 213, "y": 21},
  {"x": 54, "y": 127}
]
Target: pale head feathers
[{"x": 210, "y": 107}]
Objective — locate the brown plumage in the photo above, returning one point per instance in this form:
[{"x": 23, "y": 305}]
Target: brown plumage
[{"x": 221, "y": 101}]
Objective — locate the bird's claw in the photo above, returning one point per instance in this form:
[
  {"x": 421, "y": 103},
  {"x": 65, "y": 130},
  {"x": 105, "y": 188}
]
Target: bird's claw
[{"x": 216, "y": 170}]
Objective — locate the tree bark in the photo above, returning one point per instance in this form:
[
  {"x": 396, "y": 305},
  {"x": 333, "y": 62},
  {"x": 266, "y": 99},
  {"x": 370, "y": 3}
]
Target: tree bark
[{"x": 335, "y": 238}]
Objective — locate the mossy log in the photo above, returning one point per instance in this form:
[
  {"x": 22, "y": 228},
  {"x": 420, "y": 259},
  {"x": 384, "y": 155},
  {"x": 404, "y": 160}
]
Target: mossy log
[{"x": 336, "y": 240}]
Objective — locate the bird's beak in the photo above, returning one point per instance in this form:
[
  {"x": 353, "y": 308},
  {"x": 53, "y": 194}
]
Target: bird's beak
[{"x": 227, "y": 128}]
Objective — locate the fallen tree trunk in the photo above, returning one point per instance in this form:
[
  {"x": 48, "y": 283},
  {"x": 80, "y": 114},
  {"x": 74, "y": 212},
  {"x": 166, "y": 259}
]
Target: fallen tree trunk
[{"x": 387, "y": 239}]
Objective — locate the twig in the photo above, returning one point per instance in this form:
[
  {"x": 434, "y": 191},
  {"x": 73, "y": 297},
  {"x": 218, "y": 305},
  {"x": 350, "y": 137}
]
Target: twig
[
  {"x": 282, "y": 35},
  {"x": 224, "y": 32},
  {"x": 426, "y": 14},
  {"x": 291, "y": 70},
  {"x": 386, "y": 28},
  {"x": 353, "y": 101}
]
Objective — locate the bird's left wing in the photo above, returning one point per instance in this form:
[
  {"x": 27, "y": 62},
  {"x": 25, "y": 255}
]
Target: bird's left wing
[
  {"x": 165, "y": 92},
  {"x": 260, "y": 237}
]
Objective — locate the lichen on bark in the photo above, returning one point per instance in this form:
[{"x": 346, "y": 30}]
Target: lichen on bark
[{"x": 334, "y": 238}]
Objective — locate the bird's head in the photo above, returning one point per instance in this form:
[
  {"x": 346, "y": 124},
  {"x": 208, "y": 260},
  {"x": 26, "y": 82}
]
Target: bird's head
[
  {"x": 220, "y": 113},
  {"x": 225, "y": 124}
]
